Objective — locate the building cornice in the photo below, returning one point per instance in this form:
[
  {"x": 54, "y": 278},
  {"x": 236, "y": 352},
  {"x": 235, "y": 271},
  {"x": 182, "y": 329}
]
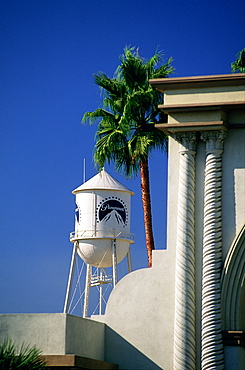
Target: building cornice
[
  {"x": 225, "y": 106},
  {"x": 164, "y": 84},
  {"x": 191, "y": 126}
]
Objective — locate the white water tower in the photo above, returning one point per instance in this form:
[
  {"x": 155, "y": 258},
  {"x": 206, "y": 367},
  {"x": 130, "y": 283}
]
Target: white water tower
[{"x": 102, "y": 235}]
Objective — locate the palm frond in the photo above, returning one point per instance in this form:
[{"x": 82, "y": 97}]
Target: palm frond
[
  {"x": 24, "y": 358},
  {"x": 239, "y": 64},
  {"x": 93, "y": 117},
  {"x": 152, "y": 63},
  {"x": 133, "y": 69},
  {"x": 112, "y": 86},
  {"x": 109, "y": 140},
  {"x": 164, "y": 70}
]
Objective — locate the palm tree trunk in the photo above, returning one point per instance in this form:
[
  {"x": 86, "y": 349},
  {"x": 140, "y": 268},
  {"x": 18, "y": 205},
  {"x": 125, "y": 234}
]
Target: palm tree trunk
[{"x": 146, "y": 201}]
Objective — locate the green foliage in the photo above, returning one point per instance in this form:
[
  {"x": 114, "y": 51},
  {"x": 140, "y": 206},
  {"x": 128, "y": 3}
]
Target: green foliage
[
  {"x": 239, "y": 64},
  {"x": 26, "y": 358},
  {"x": 126, "y": 131}
]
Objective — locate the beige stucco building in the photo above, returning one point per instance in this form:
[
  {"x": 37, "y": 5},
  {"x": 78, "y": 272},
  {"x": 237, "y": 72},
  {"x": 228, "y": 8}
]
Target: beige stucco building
[{"x": 188, "y": 310}]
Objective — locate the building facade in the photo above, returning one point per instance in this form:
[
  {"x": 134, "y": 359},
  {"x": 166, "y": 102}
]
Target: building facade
[{"x": 188, "y": 310}]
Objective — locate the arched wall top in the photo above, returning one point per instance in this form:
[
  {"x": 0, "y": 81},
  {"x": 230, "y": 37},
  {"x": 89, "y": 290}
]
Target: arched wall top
[{"x": 232, "y": 282}]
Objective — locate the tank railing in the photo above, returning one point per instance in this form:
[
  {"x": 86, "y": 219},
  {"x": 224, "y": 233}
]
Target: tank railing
[{"x": 86, "y": 234}]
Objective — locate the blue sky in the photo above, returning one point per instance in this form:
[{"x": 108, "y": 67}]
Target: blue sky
[{"x": 49, "y": 52}]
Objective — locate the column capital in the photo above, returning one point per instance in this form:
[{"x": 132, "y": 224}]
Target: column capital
[
  {"x": 187, "y": 141},
  {"x": 214, "y": 140}
]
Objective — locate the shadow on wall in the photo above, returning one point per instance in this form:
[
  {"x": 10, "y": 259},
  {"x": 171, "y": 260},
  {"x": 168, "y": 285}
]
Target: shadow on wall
[{"x": 119, "y": 351}]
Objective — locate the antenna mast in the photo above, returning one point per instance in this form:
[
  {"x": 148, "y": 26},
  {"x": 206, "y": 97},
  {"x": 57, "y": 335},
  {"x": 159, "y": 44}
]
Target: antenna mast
[{"x": 84, "y": 170}]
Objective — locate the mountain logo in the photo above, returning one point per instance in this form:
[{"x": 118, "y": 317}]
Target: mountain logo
[
  {"x": 112, "y": 210},
  {"x": 77, "y": 214}
]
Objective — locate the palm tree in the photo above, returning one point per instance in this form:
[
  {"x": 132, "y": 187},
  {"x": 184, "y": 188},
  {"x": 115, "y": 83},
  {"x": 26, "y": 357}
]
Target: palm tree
[
  {"x": 27, "y": 358},
  {"x": 126, "y": 133},
  {"x": 239, "y": 64}
]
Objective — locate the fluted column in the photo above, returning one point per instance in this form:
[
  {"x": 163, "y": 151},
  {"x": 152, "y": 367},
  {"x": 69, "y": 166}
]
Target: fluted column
[
  {"x": 212, "y": 346},
  {"x": 184, "y": 323}
]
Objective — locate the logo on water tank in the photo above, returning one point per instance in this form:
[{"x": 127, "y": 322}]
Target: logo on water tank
[{"x": 112, "y": 209}]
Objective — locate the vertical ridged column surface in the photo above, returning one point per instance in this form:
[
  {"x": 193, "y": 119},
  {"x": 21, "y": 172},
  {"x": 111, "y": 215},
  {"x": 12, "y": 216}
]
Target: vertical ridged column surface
[
  {"x": 212, "y": 346},
  {"x": 184, "y": 322}
]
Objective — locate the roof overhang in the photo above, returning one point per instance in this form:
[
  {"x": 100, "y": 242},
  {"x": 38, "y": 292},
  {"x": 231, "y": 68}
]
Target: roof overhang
[
  {"x": 201, "y": 102},
  {"x": 163, "y": 84}
]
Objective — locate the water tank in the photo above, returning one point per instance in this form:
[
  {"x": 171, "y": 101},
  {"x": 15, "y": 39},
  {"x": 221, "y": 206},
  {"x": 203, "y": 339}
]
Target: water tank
[{"x": 102, "y": 216}]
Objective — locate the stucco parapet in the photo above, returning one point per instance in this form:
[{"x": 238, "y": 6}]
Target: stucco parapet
[{"x": 55, "y": 333}]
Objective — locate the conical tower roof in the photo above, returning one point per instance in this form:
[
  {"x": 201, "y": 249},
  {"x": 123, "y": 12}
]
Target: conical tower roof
[{"x": 102, "y": 181}]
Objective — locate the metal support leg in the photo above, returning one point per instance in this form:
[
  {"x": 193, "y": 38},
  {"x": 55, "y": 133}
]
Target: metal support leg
[
  {"x": 129, "y": 260},
  {"x": 87, "y": 290},
  {"x": 114, "y": 262},
  {"x": 101, "y": 292},
  {"x": 70, "y": 279}
]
